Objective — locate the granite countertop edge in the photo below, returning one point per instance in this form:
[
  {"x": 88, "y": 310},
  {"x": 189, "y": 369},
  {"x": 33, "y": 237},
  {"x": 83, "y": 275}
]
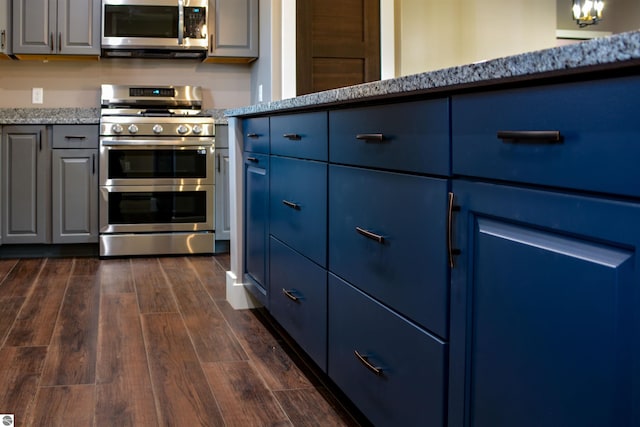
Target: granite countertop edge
[
  {"x": 70, "y": 116},
  {"x": 606, "y": 52}
]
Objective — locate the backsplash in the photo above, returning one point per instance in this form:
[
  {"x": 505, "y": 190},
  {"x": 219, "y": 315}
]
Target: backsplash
[{"x": 71, "y": 84}]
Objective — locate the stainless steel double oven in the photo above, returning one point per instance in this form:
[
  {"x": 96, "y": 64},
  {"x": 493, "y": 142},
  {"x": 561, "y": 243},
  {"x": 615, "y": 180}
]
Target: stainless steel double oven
[{"x": 157, "y": 159}]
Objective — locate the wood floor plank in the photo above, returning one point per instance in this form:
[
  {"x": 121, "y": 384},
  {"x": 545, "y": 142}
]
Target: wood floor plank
[
  {"x": 20, "y": 279},
  {"x": 20, "y": 371},
  {"x": 274, "y": 364},
  {"x": 309, "y": 407},
  {"x": 86, "y": 266},
  {"x": 154, "y": 293},
  {"x": 212, "y": 337},
  {"x": 116, "y": 276},
  {"x": 243, "y": 397},
  {"x": 183, "y": 396},
  {"x": 5, "y": 267},
  {"x": 8, "y": 314},
  {"x": 34, "y": 325},
  {"x": 124, "y": 395},
  {"x": 72, "y": 354},
  {"x": 64, "y": 406},
  {"x": 212, "y": 276}
]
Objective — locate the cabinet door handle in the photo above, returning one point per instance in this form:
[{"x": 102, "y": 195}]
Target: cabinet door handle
[
  {"x": 75, "y": 137},
  {"x": 59, "y": 42},
  {"x": 290, "y": 295},
  {"x": 253, "y": 135},
  {"x": 450, "y": 210},
  {"x": 291, "y": 205},
  {"x": 3, "y": 42},
  {"x": 366, "y": 233},
  {"x": 252, "y": 159},
  {"x": 370, "y": 137},
  {"x": 93, "y": 164},
  {"x": 218, "y": 162},
  {"x": 51, "y": 44},
  {"x": 365, "y": 361},
  {"x": 292, "y": 136},
  {"x": 211, "y": 43},
  {"x": 531, "y": 136}
]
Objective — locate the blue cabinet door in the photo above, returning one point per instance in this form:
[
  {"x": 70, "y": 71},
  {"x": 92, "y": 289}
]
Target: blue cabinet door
[
  {"x": 545, "y": 302},
  {"x": 256, "y": 176}
]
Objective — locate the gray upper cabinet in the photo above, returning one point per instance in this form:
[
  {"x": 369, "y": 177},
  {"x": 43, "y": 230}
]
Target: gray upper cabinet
[
  {"x": 25, "y": 184},
  {"x": 56, "y": 27},
  {"x": 5, "y": 29},
  {"x": 233, "y": 31}
]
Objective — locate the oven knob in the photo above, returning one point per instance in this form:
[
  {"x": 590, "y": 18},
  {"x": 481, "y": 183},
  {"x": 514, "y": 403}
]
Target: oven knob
[
  {"x": 182, "y": 129},
  {"x": 133, "y": 129},
  {"x": 196, "y": 129},
  {"x": 117, "y": 128},
  {"x": 157, "y": 129}
]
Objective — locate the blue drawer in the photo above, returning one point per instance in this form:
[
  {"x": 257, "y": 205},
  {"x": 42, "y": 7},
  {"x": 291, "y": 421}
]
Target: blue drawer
[
  {"x": 407, "y": 269},
  {"x": 300, "y": 135},
  {"x": 410, "y": 389},
  {"x": 597, "y": 121},
  {"x": 298, "y": 205},
  {"x": 255, "y": 134},
  {"x": 411, "y": 136},
  {"x": 298, "y": 299}
]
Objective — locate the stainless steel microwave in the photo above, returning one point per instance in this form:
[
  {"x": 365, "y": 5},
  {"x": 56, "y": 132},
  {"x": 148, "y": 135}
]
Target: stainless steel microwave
[{"x": 154, "y": 28}]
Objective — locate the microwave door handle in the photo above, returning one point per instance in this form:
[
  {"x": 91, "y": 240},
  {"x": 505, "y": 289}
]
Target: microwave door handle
[{"x": 180, "y": 22}]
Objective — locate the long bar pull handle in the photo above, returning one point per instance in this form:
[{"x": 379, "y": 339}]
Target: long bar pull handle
[
  {"x": 291, "y": 205},
  {"x": 180, "y": 22},
  {"x": 365, "y": 361},
  {"x": 252, "y": 159},
  {"x": 366, "y": 233},
  {"x": 531, "y": 136},
  {"x": 93, "y": 164},
  {"x": 289, "y": 295},
  {"x": 75, "y": 137},
  {"x": 51, "y": 44},
  {"x": 60, "y": 42},
  {"x": 218, "y": 162},
  {"x": 211, "y": 42},
  {"x": 292, "y": 136},
  {"x": 450, "y": 210},
  {"x": 370, "y": 137},
  {"x": 3, "y": 37},
  {"x": 253, "y": 135}
]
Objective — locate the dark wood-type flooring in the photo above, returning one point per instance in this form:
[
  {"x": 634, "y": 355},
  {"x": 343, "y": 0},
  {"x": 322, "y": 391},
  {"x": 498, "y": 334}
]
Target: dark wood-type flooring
[{"x": 146, "y": 342}]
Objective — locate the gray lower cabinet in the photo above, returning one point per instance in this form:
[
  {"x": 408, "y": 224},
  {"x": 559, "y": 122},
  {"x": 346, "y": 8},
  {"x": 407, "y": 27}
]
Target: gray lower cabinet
[
  {"x": 51, "y": 27},
  {"x": 25, "y": 184},
  {"x": 223, "y": 214},
  {"x": 74, "y": 190},
  {"x": 233, "y": 31}
]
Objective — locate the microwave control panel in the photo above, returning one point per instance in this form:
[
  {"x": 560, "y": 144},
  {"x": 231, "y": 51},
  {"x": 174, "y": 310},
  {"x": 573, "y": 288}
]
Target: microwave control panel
[{"x": 195, "y": 21}]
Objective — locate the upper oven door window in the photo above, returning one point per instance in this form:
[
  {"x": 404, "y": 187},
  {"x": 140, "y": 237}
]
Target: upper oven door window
[
  {"x": 147, "y": 21},
  {"x": 124, "y": 165}
]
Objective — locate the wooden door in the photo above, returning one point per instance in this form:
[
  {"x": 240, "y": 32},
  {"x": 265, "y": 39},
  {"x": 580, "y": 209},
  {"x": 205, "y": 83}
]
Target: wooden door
[{"x": 338, "y": 43}]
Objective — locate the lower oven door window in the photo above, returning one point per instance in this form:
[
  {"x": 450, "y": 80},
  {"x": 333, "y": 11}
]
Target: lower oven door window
[{"x": 140, "y": 209}]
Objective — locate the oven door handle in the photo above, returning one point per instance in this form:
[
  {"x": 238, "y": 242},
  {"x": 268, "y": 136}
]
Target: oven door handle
[{"x": 153, "y": 143}]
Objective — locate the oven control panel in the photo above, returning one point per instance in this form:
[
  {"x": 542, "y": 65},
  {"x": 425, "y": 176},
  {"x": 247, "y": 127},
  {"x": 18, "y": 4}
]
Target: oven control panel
[{"x": 123, "y": 126}]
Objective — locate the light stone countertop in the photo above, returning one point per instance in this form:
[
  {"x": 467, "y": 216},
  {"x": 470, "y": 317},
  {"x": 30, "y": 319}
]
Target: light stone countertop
[
  {"x": 69, "y": 116},
  {"x": 605, "y": 53}
]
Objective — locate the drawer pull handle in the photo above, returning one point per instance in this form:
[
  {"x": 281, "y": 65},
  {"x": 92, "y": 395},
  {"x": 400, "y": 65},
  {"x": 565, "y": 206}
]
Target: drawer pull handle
[
  {"x": 292, "y": 136},
  {"x": 253, "y": 135},
  {"x": 289, "y": 295},
  {"x": 291, "y": 205},
  {"x": 531, "y": 136},
  {"x": 365, "y": 361},
  {"x": 370, "y": 137},
  {"x": 451, "y": 209},
  {"x": 75, "y": 137},
  {"x": 252, "y": 159},
  {"x": 366, "y": 233}
]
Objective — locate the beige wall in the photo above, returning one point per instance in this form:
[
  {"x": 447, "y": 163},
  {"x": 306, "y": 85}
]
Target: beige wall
[
  {"x": 77, "y": 84},
  {"x": 434, "y": 34}
]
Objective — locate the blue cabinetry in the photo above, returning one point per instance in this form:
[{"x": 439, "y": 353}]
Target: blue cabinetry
[{"x": 545, "y": 295}]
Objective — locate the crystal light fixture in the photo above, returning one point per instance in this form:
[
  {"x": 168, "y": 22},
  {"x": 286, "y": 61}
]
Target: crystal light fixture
[{"x": 587, "y": 12}]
